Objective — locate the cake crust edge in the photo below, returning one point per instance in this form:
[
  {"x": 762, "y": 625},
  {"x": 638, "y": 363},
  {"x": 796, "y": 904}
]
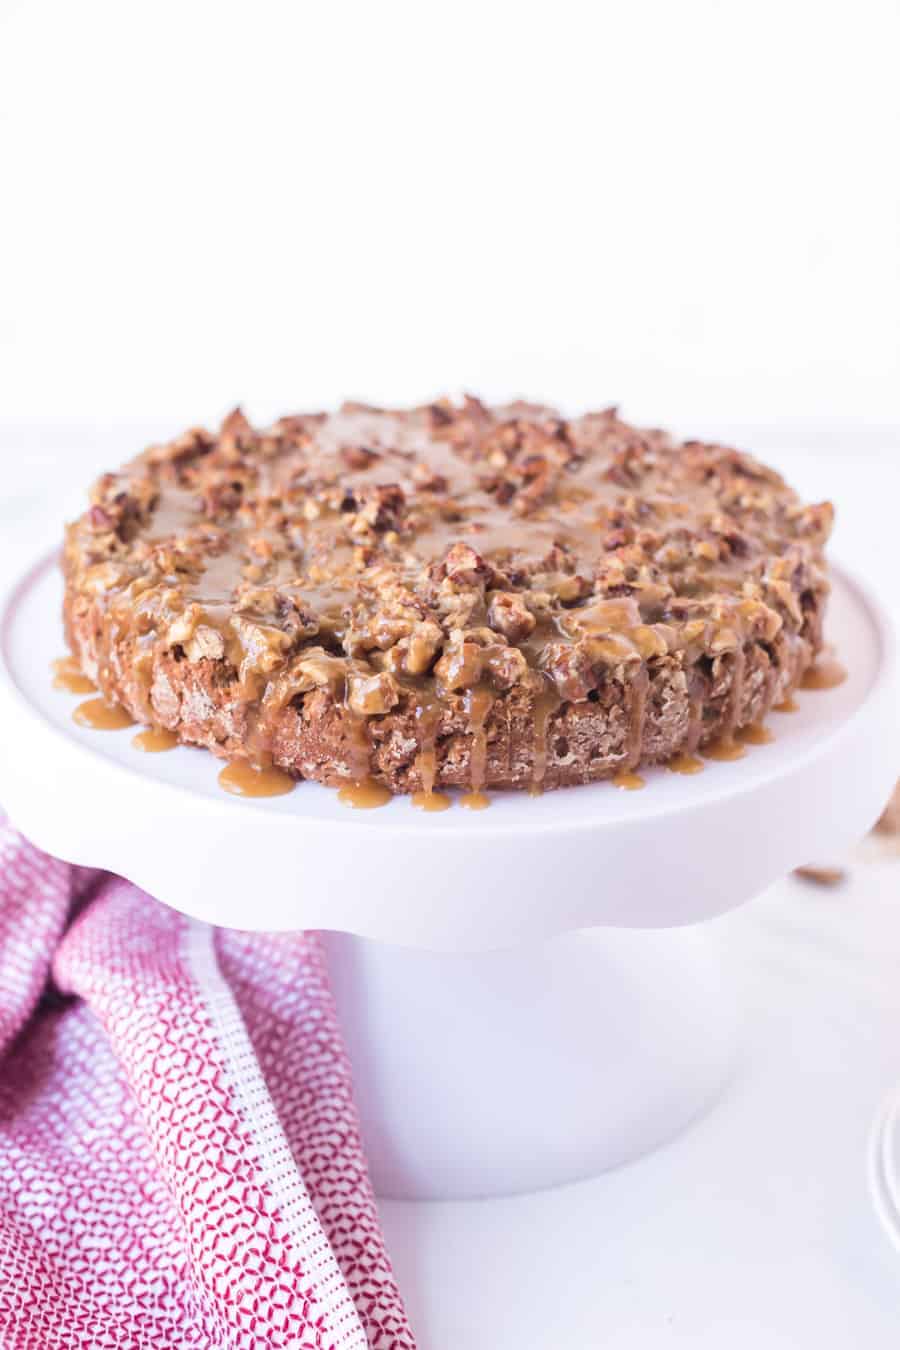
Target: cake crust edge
[{"x": 317, "y": 738}]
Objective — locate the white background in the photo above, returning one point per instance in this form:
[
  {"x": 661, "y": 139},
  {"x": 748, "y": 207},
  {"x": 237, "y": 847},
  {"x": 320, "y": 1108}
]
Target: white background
[{"x": 691, "y": 208}]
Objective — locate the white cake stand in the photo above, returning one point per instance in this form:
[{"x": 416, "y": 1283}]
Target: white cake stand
[
  {"x": 884, "y": 1167},
  {"x": 527, "y": 993}
]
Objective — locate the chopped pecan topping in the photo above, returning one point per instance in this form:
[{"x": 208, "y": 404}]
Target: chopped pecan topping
[{"x": 379, "y": 560}]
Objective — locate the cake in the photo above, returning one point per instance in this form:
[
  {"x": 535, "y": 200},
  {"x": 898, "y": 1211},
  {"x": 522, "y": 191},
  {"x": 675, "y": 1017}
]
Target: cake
[{"x": 453, "y": 594}]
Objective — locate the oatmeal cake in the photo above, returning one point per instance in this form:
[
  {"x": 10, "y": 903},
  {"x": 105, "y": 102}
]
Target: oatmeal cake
[{"x": 450, "y": 595}]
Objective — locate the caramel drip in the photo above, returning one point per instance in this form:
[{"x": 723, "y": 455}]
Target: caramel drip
[
  {"x": 154, "y": 740},
  {"x": 69, "y": 676},
  {"x": 627, "y": 780},
  {"x": 724, "y": 749},
  {"x": 755, "y": 734},
  {"x": 428, "y": 715},
  {"x": 546, "y": 703},
  {"x": 640, "y": 685},
  {"x": 479, "y": 702},
  {"x": 431, "y": 801},
  {"x": 475, "y": 801},
  {"x": 257, "y": 737},
  {"x": 241, "y": 778},
  {"x": 824, "y": 675},
  {"x": 358, "y": 742},
  {"x": 790, "y": 705},
  {"x": 142, "y": 669},
  {"x": 685, "y": 763},
  {"x": 99, "y": 715},
  {"x": 364, "y": 795}
]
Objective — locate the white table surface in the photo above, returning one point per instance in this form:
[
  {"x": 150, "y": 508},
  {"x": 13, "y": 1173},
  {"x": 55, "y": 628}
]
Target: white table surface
[{"x": 754, "y": 1229}]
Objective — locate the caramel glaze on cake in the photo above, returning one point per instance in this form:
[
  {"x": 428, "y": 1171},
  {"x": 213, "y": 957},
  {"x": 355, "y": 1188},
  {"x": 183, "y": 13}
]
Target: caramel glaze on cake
[{"x": 452, "y": 595}]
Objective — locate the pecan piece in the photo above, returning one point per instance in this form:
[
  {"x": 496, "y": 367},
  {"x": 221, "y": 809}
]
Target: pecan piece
[
  {"x": 509, "y": 615},
  {"x": 371, "y": 695},
  {"x": 461, "y": 665},
  {"x": 206, "y": 644},
  {"x": 358, "y": 457},
  {"x": 382, "y": 509},
  {"x": 571, "y": 670},
  {"x": 425, "y": 642},
  {"x": 507, "y": 666},
  {"x": 100, "y": 520},
  {"x": 426, "y": 479},
  {"x": 463, "y": 565}
]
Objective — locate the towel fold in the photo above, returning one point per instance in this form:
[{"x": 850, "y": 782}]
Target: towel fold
[{"x": 180, "y": 1158}]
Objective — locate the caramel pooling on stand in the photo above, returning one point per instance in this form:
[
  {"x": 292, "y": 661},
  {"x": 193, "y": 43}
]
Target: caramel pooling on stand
[
  {"x": 244, "y": 780},
  {"x": 154, "y": 740},
  {"x": 67, "y": 675},
  {"x": 99, "y": 715}
]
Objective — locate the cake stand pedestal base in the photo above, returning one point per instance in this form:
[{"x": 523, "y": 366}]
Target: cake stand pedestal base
[{"x": 498, "y": 1072}]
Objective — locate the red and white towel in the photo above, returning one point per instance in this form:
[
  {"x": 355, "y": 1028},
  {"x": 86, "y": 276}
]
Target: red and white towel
[{"x": 180, "y": 1160}]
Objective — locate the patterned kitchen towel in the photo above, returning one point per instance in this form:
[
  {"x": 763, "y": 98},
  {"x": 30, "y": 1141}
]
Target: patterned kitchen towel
[{"x": 180, "y": 1160}]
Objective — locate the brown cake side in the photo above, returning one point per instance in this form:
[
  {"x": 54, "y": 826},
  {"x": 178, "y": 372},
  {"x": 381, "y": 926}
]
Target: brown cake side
[{"x": 453, "y": 595}]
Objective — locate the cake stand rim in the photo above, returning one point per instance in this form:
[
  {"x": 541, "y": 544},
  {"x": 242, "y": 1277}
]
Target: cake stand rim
[
  {"x": 493, "y": 887},
  {"x": 883, "y": 1166}
]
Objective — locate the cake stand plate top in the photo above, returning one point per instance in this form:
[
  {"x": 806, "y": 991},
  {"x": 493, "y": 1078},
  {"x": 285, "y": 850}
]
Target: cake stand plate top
[{"x": 680, "y": 851}]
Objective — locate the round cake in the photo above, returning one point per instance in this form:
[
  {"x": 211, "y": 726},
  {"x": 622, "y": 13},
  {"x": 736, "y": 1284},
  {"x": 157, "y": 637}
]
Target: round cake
[{"x": 450, "y": 595}]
